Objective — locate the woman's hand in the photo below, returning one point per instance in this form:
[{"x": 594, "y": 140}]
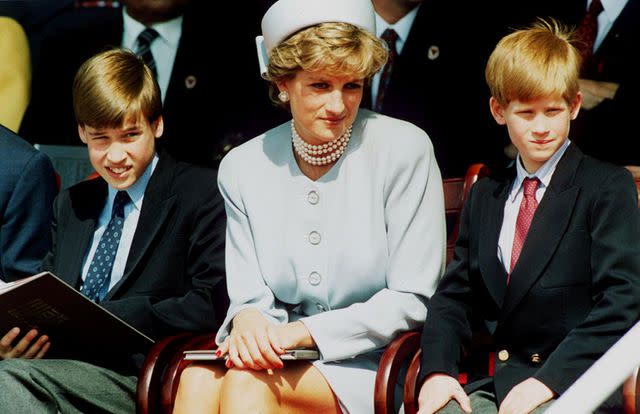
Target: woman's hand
[
  {"x": 28, "y": 346},
  {"x": 257, "y": 344}
]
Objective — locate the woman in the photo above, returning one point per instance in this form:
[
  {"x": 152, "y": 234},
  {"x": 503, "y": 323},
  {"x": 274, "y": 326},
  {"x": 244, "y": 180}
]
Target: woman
[{"x": 335, "y": 232}]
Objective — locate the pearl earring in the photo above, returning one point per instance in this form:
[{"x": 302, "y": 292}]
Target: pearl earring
[{"x": 283, "y": 96}]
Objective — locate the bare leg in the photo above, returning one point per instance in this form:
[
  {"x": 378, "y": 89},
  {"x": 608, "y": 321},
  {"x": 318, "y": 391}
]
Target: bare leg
[
  {"x": 297, "y": 388},
  {"x": 199, "y": 389}
]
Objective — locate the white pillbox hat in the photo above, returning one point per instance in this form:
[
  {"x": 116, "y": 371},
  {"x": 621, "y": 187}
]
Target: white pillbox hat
[{"x": 285, "y": 17}]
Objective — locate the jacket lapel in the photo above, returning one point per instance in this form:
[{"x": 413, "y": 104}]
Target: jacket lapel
[
  {"x": 491, "y": 222},
  {"x": 156, "y": 208},
  {"x": 547, "y": 228},
  {"x": 86, "y": 206}
]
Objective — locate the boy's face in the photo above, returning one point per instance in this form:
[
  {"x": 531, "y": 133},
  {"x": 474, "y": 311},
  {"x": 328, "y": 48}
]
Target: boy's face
[
  {"x": 121, "y": 155},
  {"x": 537, "y": 128}
]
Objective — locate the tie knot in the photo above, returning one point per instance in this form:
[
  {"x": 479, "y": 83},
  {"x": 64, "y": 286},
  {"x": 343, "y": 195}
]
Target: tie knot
[
  {"x": 595, "y": 7},
  {"x": 122, "y": 199},
  {"x": 530, "y": 185},
  {"x": 147, "y": 36},
  {"x": 390, "y": 36}
]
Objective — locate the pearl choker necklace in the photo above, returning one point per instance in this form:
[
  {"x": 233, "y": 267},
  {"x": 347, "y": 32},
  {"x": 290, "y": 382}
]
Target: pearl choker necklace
[{"x": 321, "y": 154}]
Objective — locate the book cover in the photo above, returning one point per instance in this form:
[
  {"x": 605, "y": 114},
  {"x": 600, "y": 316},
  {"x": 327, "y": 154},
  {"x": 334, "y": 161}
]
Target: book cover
[{"x": 75, "y": 325}]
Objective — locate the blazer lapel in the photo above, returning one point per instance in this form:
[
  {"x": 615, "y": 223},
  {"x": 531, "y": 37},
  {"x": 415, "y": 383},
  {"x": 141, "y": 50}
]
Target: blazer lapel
[
  {"x": 547, "y": 228},
  {"x": 490, "y": 268},
  {"x": 156, "y": 208},
  {"x": 87, "y": 206}
]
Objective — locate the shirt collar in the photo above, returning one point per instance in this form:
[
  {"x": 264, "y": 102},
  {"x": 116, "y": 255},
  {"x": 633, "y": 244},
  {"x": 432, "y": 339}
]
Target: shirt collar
[
  {"x": 136, "y": 191},
  {"x": 612, "y": 8},
  {"x": 169, "y": 31},
  {"x": 402, "y": 26},
  {"x": 544, "y": 173}
]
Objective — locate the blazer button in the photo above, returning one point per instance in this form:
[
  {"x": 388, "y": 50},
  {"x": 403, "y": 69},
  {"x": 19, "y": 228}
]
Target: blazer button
[
  {"x": 503, "y": 355},
  {"x": 314, "y": 237},
  {"x": 535, "y": 358},
  {"x": 313, "y": 197},
  {"x": 315, "y": 278}
]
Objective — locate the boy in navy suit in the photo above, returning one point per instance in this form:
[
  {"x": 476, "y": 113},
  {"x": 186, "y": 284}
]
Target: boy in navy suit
[
  {"x": 547, "y": 259},
  {"x": 145, "y": 241}
]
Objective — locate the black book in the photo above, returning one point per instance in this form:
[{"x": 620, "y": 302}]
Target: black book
[{"x": 76, "y": 326}]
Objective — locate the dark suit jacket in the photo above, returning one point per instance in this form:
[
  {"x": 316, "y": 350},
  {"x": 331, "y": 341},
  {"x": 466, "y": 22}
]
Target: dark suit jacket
[
  {"x": 212, "y": 103},
  {"x": 573, "y": 292},
  {"x": 444, "y": 92},
  {"x": 27, "y": 189},
  {"x": 174, "y": 275}
]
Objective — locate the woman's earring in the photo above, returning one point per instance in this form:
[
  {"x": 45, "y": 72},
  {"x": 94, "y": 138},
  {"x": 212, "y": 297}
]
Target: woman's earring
[{"x": 283, "y": 96}]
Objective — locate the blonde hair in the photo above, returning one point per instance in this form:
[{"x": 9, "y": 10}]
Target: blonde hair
[
  {"x": 535, "y": 62},
  {"x": 114, "y": 86},
  {"x": 339, "y": 48}
]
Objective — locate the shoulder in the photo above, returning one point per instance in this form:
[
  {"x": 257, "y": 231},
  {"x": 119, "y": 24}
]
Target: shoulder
[
  {"x": 262, "y": 152},
  {"x": 18, "y": 152},
  {"x": 392, "y": 139}
]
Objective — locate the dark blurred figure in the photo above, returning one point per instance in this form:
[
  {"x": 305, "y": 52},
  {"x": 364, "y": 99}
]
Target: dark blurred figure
[
  {"x": 213, "y": 97},
  {"x": 27, "y": 190},
  {"x": 437, "y": 79}
]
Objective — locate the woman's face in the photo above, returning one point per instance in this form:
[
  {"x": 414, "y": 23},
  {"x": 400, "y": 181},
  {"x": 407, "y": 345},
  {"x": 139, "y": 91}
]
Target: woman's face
[{"x": 323, "y": 105}]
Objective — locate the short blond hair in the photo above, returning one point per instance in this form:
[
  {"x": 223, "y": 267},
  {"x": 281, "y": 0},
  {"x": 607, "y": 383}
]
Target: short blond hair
[
  {"x": 535, "y": 62},
  {"x": 114, "y": 86},
  {"x": 338, "y": 48}
]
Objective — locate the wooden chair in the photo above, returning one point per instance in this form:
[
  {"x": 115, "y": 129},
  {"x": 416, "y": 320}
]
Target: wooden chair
[{"x": 405, "y": 346}]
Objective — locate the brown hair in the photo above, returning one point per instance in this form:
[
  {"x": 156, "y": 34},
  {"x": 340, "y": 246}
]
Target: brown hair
[
  {"x": 534, "y": 62},
  {"x": 339, "y": 48},
  {"x": 113, "y": 86}
]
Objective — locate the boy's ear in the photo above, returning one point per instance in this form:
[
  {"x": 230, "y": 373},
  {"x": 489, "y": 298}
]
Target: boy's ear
[
  {"x": 158, "y": 126},
  {"x": 576, "y": 105},
  {"x": 83, "y": 133},
  {"x": 497, "y": 111}
]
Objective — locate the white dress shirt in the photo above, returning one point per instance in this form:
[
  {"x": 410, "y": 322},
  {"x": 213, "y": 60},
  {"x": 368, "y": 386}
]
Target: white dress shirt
[{"x": 612, "y": 9}]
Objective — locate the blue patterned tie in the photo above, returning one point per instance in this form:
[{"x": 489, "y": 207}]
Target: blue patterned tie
[
  {"x": 96, "y": 284},
  {"x": 145, "y": 38}
]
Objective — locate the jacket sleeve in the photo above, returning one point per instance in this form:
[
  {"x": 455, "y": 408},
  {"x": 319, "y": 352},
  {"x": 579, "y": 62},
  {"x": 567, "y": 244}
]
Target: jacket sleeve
[{"x": 25, "y": 237}]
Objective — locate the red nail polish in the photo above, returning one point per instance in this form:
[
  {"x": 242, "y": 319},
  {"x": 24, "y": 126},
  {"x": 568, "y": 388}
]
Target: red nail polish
[
  {"x": 218, "y": 353},
  {"x": 228, "y": 363}
]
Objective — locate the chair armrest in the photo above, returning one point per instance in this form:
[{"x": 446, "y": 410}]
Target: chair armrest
[
  {"x": 177, "y": 364},
  {"x": 394, "y": 357},
  {"x": 154, "y": 365},
  {"x": 411, "y": 384},
  {"x": 631, "y": 394}
]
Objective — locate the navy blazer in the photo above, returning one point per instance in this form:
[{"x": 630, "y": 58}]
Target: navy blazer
[
  {"x": 27, "y": 189},
  {"x": 573, "y": 292},
  {"x": 174, "y": 275}
]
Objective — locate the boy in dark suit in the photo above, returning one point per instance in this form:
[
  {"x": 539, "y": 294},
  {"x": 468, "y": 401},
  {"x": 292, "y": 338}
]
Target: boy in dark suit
[
  {"x": 145, "y": 240},
  {"x": 547, "y": 259}
]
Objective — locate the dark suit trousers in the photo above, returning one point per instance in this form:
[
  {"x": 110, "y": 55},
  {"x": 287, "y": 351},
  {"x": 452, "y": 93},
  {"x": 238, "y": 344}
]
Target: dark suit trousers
[{"x": 65, "y": 386}]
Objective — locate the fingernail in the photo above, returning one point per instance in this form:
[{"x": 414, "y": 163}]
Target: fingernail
[
  {"x": 218, "y": 353},
  {"x": 228, "y": 363}
]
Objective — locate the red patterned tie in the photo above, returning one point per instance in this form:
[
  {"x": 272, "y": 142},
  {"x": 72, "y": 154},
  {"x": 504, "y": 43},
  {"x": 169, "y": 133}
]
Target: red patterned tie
[
  {"x": 586, "y": 35},
  {"x": 528, "y": 207},
  {"x": 391, "y": 37}
]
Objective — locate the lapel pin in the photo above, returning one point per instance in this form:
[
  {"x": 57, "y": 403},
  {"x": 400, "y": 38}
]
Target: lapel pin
[
  {"x": 433, "y": 52},
  {"x": 190, "y": 82}
]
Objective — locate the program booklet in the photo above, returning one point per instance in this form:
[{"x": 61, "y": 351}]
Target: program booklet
[
  {"x": 75, "y": 324},
  {"x": 289, "y": 355}
]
